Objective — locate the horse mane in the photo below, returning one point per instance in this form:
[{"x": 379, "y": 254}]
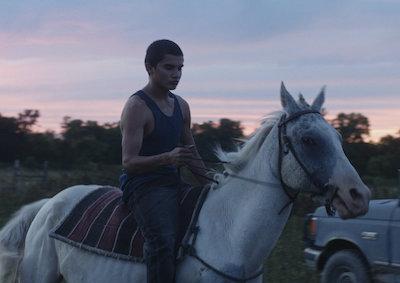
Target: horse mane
[{"x": 237, "y": 160}]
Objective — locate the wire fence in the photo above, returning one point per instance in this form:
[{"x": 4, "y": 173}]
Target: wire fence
[{"x": 21, "y": 178}]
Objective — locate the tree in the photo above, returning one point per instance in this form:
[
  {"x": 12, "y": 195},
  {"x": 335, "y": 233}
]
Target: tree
[
  {"x": 360, "y": 155},
  {"x": 27, "y": 119},
  {"x": 86, "y": 141},
  {"x": 10, "y": 139},
  {"x": 14, "y": 134},
  {"x": 44, "y": 147},
  {"x": 209, "y": 134},
  {"x": 387, "y": 160},
  {"x": 353, "y": 127}
]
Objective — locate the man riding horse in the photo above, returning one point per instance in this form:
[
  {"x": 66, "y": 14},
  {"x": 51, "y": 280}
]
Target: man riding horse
[{"x": 156, "y": 141}]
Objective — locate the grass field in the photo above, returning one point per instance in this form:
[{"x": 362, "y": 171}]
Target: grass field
[
  {"x": 286, "y": 264},
  {"x": 28, "y": 190}
]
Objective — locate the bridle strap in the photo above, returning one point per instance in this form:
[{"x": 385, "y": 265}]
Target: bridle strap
[
  {"x": 296, "y": 115},
  {"x": 310, "y": 176},
  {"x": 282, "y": 136},
  {"x": 287, "y": 142},
  {"x": 285, "y": 187}
]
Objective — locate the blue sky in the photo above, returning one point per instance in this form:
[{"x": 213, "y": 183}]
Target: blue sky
[{"x": 83, "y": 59}]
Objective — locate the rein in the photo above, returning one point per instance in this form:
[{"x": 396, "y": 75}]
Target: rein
[
  {"x": 226, "y": 174},
  {"x": 285, "y": 146}
]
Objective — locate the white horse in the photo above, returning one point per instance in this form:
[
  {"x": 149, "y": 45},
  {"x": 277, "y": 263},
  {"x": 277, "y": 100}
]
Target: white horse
[{"x": 240, "y": 221}]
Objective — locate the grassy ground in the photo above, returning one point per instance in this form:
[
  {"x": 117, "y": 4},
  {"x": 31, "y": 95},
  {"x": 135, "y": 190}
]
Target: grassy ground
[
  {"x": 29, "y": 190},
  {"x": 286, "y": 263}
]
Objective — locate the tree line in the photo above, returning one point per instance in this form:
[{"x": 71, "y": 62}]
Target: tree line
[{"x": 81, "y": 142}]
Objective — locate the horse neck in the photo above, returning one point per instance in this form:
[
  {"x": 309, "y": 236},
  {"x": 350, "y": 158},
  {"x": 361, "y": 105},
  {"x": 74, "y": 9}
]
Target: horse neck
[{"x": 241, "y": 220}]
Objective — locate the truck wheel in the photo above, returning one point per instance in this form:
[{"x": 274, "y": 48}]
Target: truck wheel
[{"x": 345, "y": 266}]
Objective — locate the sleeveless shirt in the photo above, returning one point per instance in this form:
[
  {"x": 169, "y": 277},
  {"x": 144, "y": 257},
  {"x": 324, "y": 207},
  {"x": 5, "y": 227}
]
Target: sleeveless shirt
[{"x": 166, "y": 135}]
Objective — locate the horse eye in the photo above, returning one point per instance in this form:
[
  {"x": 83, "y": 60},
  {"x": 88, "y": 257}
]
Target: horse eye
[{"x": 308, "y": 141}]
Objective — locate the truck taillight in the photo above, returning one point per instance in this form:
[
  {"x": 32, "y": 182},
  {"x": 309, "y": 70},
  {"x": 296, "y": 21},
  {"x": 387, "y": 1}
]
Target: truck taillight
[{"x": 312, "y": 227}]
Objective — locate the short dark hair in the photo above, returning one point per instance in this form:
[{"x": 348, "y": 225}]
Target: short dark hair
[{"x": 158, "y": 49}]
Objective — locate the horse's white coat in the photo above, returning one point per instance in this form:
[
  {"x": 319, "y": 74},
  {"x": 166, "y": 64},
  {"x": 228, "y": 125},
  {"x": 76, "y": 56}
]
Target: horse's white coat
[{"x": 239, "y": 223}]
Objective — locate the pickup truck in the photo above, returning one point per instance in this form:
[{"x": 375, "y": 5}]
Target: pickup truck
[{"x": 363, "y": 249}]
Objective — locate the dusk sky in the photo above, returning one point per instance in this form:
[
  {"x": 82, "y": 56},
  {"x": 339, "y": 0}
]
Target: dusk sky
[{"x": 84, "y": 58}]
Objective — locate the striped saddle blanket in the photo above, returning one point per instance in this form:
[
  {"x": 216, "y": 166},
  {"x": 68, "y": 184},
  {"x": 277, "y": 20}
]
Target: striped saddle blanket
[{"x": 102, "y": 223}]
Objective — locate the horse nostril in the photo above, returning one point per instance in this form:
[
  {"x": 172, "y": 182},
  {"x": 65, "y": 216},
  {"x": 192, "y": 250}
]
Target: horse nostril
[{"x": 354, "y": 194}]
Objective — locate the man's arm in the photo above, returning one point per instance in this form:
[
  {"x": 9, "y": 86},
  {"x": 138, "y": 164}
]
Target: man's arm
[
  {"x": 195, "y": 165},
  {"x": 133, "y": 121}
]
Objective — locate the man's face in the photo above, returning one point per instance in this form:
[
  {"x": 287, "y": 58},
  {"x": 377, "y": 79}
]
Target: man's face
[{"x": 168, "y": 72}]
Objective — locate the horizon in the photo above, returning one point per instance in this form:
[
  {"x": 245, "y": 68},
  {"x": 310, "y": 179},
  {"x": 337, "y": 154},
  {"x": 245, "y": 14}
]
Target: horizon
[
  {"x": 247, "y": 131},
  {"x": 84, "y": 60}
]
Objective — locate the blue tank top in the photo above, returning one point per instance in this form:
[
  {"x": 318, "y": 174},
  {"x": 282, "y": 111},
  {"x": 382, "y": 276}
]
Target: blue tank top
[
  {"x": 167, "y": 131},
  {"x": 166, "y": 135}
]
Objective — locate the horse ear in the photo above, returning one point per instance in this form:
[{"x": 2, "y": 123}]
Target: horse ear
[
  {"x": 302, "y": 101},
  {"x": 288, "y": 103},
  {"x": 319, "y": 100}
]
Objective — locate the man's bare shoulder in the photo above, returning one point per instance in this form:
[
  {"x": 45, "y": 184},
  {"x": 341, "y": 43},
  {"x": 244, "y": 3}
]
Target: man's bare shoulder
[
  {"x": 135, "y": 108},
  {"x": 134, "y": 102}
]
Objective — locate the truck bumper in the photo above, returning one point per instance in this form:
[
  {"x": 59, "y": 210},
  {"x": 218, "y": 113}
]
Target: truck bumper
[{"x": 311, "y": 257}]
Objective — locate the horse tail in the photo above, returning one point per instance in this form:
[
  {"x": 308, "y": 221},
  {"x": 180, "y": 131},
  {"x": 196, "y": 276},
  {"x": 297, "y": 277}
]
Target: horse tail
[{"x": 12, "y": 240}]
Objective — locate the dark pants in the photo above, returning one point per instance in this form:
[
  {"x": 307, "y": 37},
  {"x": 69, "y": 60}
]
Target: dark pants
[{"x": 156, "y": 212}]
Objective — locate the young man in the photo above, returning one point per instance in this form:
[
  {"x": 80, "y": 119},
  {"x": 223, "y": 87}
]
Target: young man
[{"x": 156, "y": 141}]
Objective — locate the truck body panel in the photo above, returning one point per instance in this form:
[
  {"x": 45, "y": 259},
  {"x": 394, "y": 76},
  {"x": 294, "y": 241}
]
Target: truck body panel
[{"x": 375, "y": 236}]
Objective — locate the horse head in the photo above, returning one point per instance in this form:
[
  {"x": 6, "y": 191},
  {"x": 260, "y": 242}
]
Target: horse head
[{"x": 312, "y": 158}]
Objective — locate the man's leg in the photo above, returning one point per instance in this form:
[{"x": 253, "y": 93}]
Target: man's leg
[{"x": 156, "y": 211}]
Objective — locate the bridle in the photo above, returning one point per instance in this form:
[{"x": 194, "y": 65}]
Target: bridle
[{"x": 285, "y": 146}]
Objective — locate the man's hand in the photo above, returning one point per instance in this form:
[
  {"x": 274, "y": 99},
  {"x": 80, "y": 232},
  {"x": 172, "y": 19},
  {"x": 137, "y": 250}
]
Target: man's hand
[{"x": 180, "y": 155}]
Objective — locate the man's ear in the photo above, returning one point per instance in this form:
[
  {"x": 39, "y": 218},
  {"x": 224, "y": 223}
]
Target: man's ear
[{"x": 149, "y": 69}]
